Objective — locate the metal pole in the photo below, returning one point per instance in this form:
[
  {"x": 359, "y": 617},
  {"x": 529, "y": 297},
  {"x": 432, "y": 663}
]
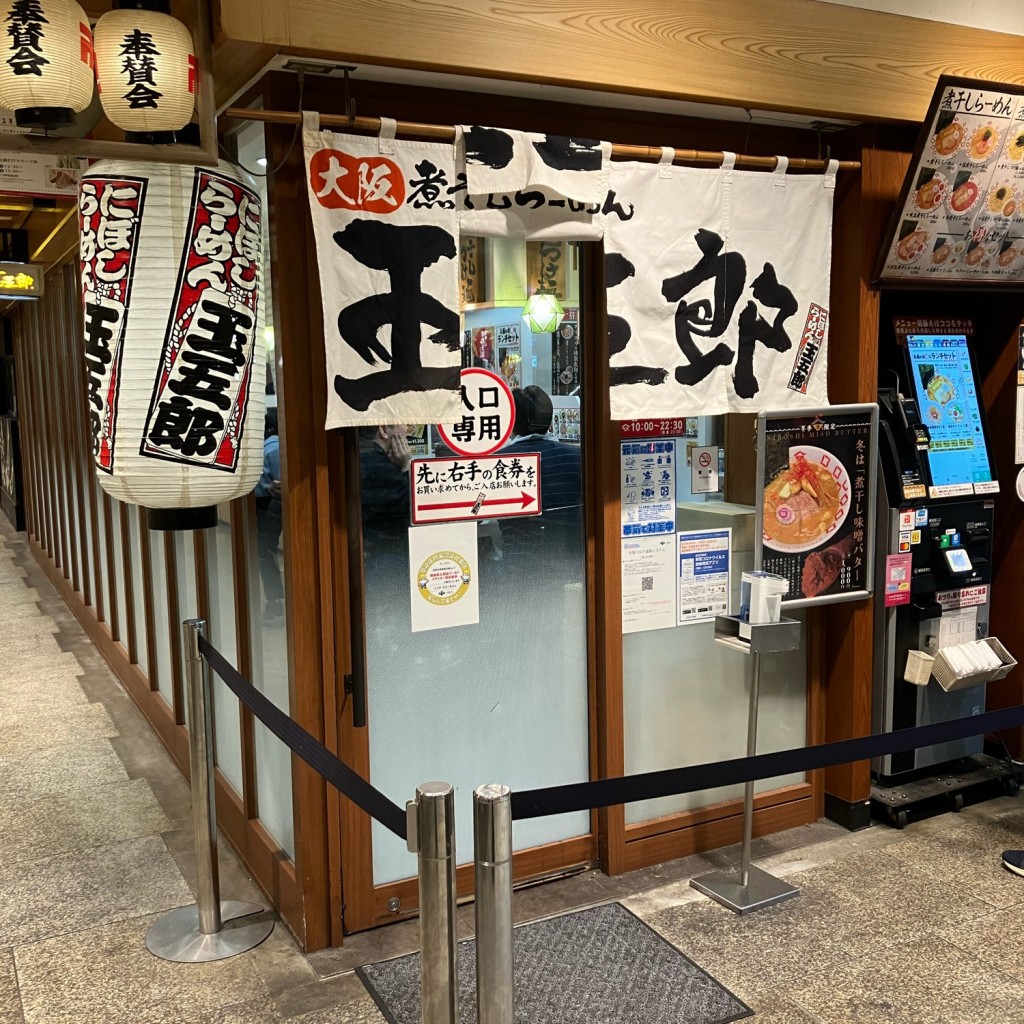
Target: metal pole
[
  {"x": 196, "y": 934},
  {"x": 200, "y": 750},
  {"x": 748, "y": 789},
  {"x": 492, "y": 834},
  {"x": 433, "y": 839}
]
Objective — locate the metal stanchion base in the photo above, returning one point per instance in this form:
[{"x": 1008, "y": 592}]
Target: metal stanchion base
[
  {"x": 762, "y": 891},
  {"x": 177, "y": 937}
]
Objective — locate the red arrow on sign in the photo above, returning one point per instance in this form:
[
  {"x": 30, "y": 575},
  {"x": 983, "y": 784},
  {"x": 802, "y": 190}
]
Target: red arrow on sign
[{"x": 523, "y": 501}]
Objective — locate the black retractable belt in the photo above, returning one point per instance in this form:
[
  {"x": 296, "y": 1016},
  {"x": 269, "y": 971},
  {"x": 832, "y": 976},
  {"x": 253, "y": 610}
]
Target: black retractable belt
[
  {"x": 582, "y": 796},
  {"x": 310, "y": 749}
]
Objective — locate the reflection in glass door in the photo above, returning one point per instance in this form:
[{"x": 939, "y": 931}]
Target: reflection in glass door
[{"x": 504, "y": 699}]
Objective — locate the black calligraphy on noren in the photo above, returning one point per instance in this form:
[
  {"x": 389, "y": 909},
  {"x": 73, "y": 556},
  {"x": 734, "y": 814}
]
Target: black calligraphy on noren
[
  {"x": 404, "y": 252},
  {"x": 568, "y": 153},
  {"x": 489, "y": 147},
  {"x": 616, "y": 270}
]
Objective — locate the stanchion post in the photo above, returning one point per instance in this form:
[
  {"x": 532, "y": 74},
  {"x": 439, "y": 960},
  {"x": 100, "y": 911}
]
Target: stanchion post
[
  {"x": 209, "y": 929},
  {"x": 200, "y": 753},
  {"x": 748, "y": 789},
  {"x": 492, "y": 835},
  {"x": 431, "y": 835}
]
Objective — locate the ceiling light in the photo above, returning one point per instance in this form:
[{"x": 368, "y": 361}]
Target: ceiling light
[{"x": 543, "y": 312}]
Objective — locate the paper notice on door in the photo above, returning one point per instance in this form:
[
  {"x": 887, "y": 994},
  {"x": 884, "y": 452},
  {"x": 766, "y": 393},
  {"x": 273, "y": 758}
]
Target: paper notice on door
[
  {"x": 704, "y": 585},
  {"x": 958, "y": 627},
  {"x": 648, "y": 583},
  {"x": 444, "y": 577}
]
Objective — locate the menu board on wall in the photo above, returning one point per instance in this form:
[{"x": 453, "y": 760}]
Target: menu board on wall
[
  {"x": 816, "y": 501},
  {"x": 959, "y": 217}
]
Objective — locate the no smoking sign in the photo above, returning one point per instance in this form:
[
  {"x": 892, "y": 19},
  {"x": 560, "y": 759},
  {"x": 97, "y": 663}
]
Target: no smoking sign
[{"x": 488, "y": 414}]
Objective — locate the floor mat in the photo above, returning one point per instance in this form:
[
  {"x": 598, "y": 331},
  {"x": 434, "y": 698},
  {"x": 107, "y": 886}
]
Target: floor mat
[{"x": 598, "y": 966}]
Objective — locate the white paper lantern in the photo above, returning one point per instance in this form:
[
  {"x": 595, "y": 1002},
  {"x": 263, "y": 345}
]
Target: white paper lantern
[
  {"x": 46, "y": 68},
  {"x": 146, "y": 70},
  {"x": 171, "y": 261}
]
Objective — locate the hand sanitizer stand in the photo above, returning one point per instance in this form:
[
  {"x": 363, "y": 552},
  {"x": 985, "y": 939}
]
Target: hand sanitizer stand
[{"x": 748, "y": 888}]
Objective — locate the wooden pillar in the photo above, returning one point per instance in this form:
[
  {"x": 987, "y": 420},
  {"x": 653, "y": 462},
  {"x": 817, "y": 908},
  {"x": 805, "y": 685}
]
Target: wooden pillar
[{"x": 862, "y": 212}]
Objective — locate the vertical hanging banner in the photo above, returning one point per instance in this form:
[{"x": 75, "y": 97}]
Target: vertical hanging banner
[
  {"x": 718, "y": 289},
  {"x": 386, "y": 227}
]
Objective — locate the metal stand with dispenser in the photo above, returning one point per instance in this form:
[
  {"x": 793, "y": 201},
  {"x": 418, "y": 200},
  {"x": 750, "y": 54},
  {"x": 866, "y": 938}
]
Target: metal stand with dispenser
[{"x": 748, "y": 888}]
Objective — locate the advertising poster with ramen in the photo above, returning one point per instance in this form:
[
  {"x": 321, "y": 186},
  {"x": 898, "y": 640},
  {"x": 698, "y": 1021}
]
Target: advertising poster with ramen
[
  {"x": 816, "y": 493},
  {"x": 960, "y": 215}
]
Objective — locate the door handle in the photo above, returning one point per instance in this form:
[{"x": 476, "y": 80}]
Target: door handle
[{"x": 356, "y": 689}]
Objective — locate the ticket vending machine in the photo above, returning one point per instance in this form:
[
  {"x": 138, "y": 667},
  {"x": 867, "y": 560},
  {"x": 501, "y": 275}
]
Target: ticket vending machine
[{"x": 934, "y": 558}]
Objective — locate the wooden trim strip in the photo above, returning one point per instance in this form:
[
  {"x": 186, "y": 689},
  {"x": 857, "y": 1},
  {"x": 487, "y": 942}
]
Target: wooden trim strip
[
  {"x": 552, "y": 859},
  {"x": 241, "y": 519},
  {"x": 723, "y": 831},
  {"x": 128, "y": 584},
  {"x": 147, "y": 600},
  {"x": 174, "y": 629},
  {"x": 446, "y": 133},
  {"x": 108, "y": 535},
  {"x": 54, "y": 327}
]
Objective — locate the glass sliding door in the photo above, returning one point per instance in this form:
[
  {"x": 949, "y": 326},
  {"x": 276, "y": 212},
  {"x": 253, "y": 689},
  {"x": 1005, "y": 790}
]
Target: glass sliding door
[{"x": 503, "y": 699}]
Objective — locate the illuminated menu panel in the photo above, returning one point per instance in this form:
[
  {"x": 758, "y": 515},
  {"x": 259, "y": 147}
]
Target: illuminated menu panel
[{"x": 947, "y": 396}]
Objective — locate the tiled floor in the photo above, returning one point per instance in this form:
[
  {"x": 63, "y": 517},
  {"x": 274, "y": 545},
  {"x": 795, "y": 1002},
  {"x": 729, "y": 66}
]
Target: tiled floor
[{"x": 891, "y": 927}]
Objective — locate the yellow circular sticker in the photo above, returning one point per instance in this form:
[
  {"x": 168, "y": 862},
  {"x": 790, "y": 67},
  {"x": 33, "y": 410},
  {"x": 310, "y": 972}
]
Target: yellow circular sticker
[{"x": 444, "y": 578}]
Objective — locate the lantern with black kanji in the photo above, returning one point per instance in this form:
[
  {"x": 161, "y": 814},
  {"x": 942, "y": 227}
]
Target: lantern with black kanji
[
  {"x": 146, "y": 70},
  {"x": 46, "y": 67},
  {"x": 171, "y": 260}
]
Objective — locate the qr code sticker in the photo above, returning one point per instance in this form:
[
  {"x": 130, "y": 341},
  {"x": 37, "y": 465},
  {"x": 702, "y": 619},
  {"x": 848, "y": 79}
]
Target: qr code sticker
[{"x": 646, "y": 583}]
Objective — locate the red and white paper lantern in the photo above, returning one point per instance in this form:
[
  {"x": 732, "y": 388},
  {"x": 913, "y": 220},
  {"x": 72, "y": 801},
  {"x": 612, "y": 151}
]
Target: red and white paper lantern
[
  {"x": 47, "y": 62},
  {"x": 146, "y": 70},
  {"x": 171, "y": 261}
]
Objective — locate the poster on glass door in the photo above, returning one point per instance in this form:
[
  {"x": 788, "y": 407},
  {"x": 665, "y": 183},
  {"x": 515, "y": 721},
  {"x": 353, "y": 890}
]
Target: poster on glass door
[
  {"x": 648, "y": 487},
  {"x": 704, "y": 574},
  {"x": 648, "y": 583},
  {"x": 444, "y": 576}
]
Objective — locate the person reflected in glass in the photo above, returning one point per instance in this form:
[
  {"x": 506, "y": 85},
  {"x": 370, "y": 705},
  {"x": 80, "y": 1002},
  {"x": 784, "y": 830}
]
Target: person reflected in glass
[
  {"x": 269, "y": 523},
  {"x": 384, "y": 457},
  {"x": 561, "y": 464}
]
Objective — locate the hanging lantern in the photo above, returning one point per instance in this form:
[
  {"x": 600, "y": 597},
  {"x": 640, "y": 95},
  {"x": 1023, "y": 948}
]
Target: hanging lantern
[
  {"x": 46, "y": 71},
  {"x": 543, "y": 312},
  {"x": 171, "y": 262},
  {"x": 146, "y": 70}
]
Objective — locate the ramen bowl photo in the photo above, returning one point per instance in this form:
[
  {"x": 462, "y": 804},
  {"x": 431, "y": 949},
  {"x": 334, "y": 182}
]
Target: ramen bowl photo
[
  {"x": 984, "y": 143},
  {"x": 949, "y": 139},
  {"x": 806, "y": 501}
]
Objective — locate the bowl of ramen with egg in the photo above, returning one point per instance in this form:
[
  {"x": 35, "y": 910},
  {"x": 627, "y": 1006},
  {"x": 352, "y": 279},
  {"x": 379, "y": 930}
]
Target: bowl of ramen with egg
[
  {"x": 984, "y": 143},
  {"x": 1001, "y": 198},
  {"x": 931, "y": 190},
  {"x": 949, "y": 135},
  {"x": 805, "y": 501}
]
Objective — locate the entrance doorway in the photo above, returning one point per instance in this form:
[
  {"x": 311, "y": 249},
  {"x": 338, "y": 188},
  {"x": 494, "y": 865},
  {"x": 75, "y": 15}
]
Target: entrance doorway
[{"x": 505, "y": 698}]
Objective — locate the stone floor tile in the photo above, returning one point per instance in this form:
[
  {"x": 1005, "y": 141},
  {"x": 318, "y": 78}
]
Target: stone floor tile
[
  {"x": 341, "y": 1000},
  {"x": 15, "y": 643},
  {"x": 10, "y": 1000},
  {"x": 996, "y": 939},
  {"x": 65, "y": 822},
  {"x": 33, "y": 773},
  {"x": 107, "y": 974},
  {"x": 64, "y": 894},
  {"x": 28, "y": 731},
  {"x": 921, "y": 982}
]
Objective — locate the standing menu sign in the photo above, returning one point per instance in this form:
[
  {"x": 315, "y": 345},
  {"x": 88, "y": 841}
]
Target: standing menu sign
[
  {"x": 816, "y": 502},
  {"x": 959, "y": 215}
]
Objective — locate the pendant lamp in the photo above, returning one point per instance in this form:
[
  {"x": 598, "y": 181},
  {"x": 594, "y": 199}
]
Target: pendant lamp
[
  {"x": 46, "y": 67},
  {"x": 171, "y": 261},
  {"x": 146, "y": 70},
  {"x": 543, "y": 312}
]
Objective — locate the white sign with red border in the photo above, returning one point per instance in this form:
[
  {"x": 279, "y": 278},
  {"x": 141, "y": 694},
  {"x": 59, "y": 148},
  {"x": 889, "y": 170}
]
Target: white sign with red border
[
  {"x": 487, "y": 487},
  {"x": 488, "y": 414}
]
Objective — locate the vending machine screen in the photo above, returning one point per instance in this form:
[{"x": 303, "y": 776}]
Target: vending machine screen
[{"x": 947, "y": 397}]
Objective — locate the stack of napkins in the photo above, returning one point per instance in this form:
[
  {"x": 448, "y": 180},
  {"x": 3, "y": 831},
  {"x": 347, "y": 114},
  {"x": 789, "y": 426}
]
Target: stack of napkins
[{"x": 971, "y": 659}]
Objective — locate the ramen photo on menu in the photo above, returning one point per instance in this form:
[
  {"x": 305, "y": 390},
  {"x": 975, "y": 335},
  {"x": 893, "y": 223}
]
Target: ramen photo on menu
[{"x": 806, "y": 501}]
